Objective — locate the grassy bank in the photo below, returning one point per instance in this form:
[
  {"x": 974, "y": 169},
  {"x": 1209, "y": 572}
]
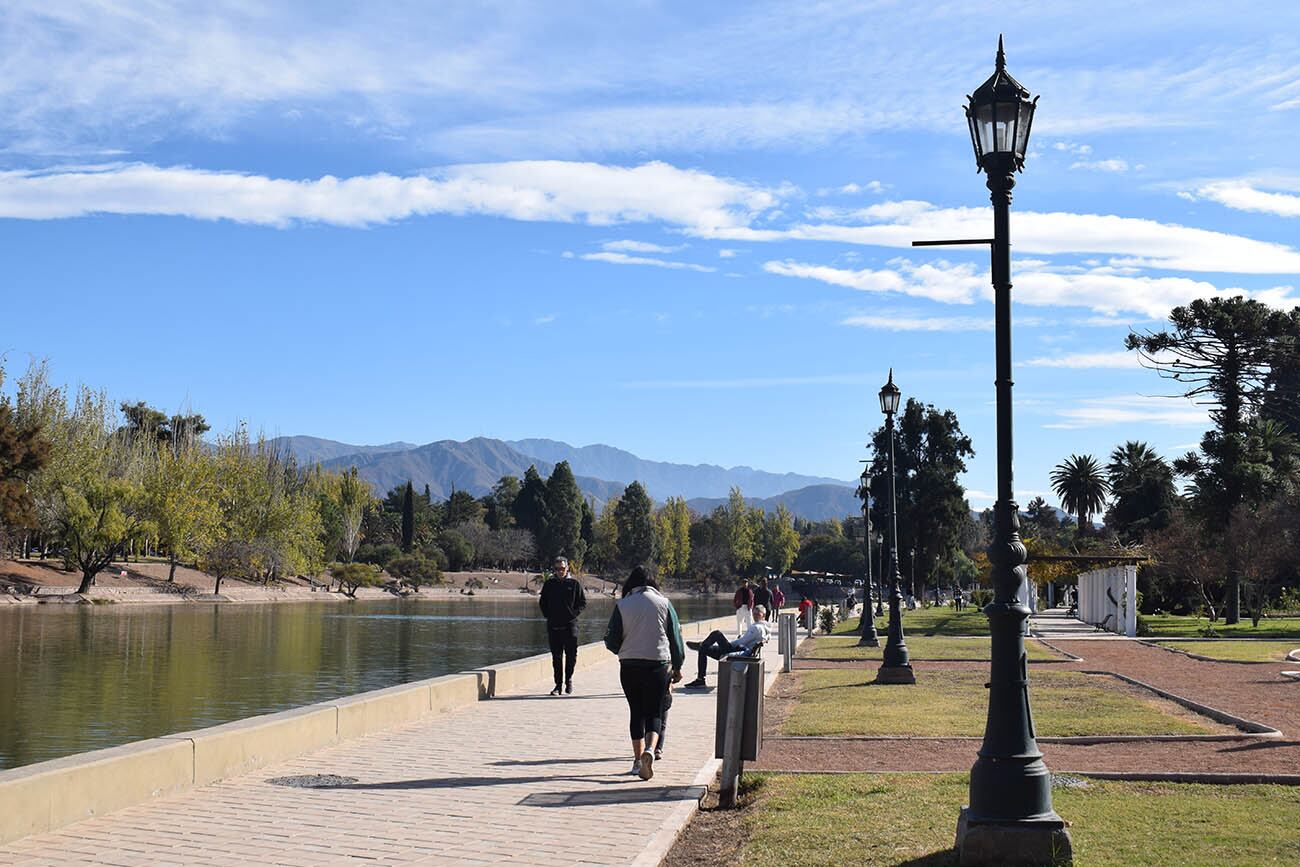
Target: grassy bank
[{"x": 1237, "y": 651}]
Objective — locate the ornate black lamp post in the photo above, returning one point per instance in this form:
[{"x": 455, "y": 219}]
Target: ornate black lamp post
[
  {"x": 868, "y": 638},
  {"x": 896, "y": 667},
  {"x": 1010, "y": 819}
]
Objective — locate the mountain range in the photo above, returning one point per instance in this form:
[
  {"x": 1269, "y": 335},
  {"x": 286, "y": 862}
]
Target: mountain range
[{"x": 602, "y": 472}]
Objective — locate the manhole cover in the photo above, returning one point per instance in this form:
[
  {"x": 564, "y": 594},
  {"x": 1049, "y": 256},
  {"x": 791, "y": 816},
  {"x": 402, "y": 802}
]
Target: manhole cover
[
  {"x": 313, "y": 781},
  {"x": 1065, "y": 781}
]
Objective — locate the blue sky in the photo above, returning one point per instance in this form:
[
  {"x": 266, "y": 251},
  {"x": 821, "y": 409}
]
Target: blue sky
[{"x": 681, "y": 229}]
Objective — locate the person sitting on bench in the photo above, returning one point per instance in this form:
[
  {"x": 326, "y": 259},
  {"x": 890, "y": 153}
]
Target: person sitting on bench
[{"x": 717, "y": 645}]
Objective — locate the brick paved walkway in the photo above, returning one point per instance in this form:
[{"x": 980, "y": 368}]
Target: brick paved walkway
[{"x": 523, "y": 777}]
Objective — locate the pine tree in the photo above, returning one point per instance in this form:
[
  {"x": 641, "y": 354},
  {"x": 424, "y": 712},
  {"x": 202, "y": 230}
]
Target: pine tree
[
  {"x": 408, "y": 517},
  {"x": 634, "y": 516},
  {"x": 563, "y": 530}
]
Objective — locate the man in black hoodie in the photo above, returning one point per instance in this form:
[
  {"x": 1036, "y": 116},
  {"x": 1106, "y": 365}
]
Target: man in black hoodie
[{"x": 562, "y": 600}]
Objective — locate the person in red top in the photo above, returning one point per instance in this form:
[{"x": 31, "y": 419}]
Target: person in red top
[
  {"x": 805, "y": 605},
  {"x": 744, "y": 602}
]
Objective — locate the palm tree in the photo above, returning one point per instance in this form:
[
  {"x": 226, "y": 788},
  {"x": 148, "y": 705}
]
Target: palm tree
[
  {"x": 1142, "y": 491},
  {"x": 1079, "y": 482}
]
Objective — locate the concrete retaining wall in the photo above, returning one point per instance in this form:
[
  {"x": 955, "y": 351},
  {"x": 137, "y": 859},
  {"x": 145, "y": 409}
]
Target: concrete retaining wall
[{"x": 48, "y": 795}]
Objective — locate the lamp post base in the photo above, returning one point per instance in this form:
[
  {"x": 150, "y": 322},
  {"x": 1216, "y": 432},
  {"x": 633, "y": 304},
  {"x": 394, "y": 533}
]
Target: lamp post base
[
  {"x": 1042, "y": 841},
  {"x": 895, "y": 674},
  {"x": 868, "y": 641}
]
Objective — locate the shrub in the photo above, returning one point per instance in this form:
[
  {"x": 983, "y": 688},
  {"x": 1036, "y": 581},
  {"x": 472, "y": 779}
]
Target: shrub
[
  {"x": 1288, "y": 601},
  {"x": 981, "y": 597},
  {"x": 827, "y": 617},
  {"x": 379, "y": 555},
  {"x": 413, "y": 571}
]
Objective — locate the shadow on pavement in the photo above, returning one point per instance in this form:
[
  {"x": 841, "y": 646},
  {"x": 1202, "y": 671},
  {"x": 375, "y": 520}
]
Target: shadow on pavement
[
  {"x": 532, "y": 762},
  {"x": 472, "y": 782},
  {"x": 629, "y": 795}
]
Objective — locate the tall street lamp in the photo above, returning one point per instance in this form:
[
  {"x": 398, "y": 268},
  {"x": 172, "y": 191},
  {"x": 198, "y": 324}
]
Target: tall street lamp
[
  {"x": 868, "y": 638},
  {"x": 896, "y": 667},
  {"x": 1010, "y": 819}
]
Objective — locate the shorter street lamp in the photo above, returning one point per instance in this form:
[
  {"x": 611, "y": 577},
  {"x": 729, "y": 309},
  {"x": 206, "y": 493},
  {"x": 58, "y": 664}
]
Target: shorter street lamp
[
  {"x": 868, "y": 638},
  {"x": 880, "y": 573},
  {"x": 896, "y": 667}
]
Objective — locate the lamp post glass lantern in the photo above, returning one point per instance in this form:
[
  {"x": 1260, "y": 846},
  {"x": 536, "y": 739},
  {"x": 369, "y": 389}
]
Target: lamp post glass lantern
[
  {"x": 1010, "y": 818},
  {"x": 868, "y": 636},
  {"x": 896, "y": 666}
]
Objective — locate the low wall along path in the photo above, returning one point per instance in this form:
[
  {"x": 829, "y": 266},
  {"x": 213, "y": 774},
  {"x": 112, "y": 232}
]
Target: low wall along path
[{"x": 421, "y": 773}]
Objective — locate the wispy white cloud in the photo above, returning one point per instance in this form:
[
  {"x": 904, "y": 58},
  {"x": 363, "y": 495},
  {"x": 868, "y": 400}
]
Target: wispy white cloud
[
  {"x": 639, "y": 247},
  {"x": 1130, "y": 409},
  {"x": 853, "y": 189},
  {"x": 1246, "y": 195},
  {"x": 625, "y": 259},
  {"x": 727, "y": 253},
  {"x": 544, "y": 320},
  {"x": 532, "y": 190},
  {"x": 1088, "y": 361},
  {"x": 1113, "y": 166},
  {"x": 1100, "y": 289},
  {"x": 889, "y": 322}
]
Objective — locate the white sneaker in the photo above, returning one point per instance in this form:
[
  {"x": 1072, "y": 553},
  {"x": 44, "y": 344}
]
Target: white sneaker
[
  {"x": 636, "y": 769},
  {"x": 647, "y": 769}
]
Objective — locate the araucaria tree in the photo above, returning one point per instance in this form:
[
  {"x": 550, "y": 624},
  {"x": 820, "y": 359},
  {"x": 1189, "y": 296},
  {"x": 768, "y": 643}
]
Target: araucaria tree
[
  {"x": 1221, "y": 352},
  {"x": 1082, "y": 487}
]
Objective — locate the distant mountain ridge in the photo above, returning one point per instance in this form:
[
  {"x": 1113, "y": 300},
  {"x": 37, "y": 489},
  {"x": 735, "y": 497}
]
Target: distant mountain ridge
[
  {"x": 815, "y": 502},
  {"x": 602, "y": 472},
  {"x": 662, "y": 479}
]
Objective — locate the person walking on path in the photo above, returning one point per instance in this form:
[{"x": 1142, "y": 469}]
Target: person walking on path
[
  {"x": 645, "y": 633},
  {"x": 717, "y": 645},
  {"x": 763, "y": 595},
  {"x": 562, "y": 600},
  {"x": 744, "y": 602}
]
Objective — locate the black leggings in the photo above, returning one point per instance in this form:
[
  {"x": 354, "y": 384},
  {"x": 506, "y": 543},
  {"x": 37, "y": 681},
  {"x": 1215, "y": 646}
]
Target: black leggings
[
  {"x": 564, "y": 650},
  {"x": 644, "y": 684}
]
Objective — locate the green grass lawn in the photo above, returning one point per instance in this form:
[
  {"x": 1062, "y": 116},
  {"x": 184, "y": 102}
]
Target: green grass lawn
[
  {"x": 1237, "y": 651},
  {"x": 954, "y": 703},
  {"x": 920, "y": 647},
  {"x": 1174, "y": 626},
  {"x": 910, "y": 819},
  {"x": 929, "y": 621}
]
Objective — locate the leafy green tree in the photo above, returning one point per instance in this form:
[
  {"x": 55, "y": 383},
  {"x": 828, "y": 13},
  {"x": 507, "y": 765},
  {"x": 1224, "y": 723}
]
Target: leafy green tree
[
  {"x": 673, "y": 528},
  {"x": 382, "y": 555},
  {"x": 779, "y": 541},
  {"x": 462, "y": 508},
  {"x": 408, "y": 517},
  {"x": 562, "y": 534},
  {"x": 742, "y": 533},
  {"x": 498, "y": 505},
  {"x": 1142, "y": 491},
  {"x": 354, "y": 498},
  {"x": 529, "y": 507},
  {"x": 181, "y": 503},
  {"x": 634, "y": 516},
  {"x": 1082, "y": 487},
  {"x": 930, "y": 455},
  {"x": 414, "y": 571},
  {"x": 92, "y": 487},
  {"x": 353, "y": 576},
  {"x": 460, "y": 553},
  {"x": 603, "y": 554},
  {"x": 23, "y": 452}
]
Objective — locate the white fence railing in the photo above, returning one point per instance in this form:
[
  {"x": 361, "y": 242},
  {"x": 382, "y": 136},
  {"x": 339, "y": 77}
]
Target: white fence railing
[{"x": 1108, "y": 599}]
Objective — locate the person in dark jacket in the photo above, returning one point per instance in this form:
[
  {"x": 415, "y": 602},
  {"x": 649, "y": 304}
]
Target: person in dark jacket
[
  {"x": 763, "y": 595},
  {"x": 562, "y": 600}
]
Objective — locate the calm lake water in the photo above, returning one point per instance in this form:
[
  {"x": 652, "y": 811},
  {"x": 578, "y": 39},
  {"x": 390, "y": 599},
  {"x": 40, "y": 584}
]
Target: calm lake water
[{"x": 77, "y": 678}]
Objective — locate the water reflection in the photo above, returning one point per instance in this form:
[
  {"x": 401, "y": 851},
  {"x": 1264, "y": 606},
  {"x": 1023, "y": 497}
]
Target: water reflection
[{"x": 85, "y": 677}]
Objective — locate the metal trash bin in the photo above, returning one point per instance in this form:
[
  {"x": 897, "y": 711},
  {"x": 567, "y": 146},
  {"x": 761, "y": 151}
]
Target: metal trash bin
[{"x": 752, "y": 728}]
